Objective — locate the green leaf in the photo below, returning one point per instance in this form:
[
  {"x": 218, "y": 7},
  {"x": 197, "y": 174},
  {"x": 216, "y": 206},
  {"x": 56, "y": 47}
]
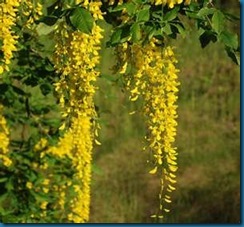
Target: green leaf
[
  {"x": 235, "y": 56},
  {"x": 130, "y": 8},
  {"x": 3, "y": 179},
  {"x": 135, "y": 32},
  {"x": 82, "y": 20},
  {"x": 180, "y": 28},
  {"x": 32, "y": 176},
  {"x": 18, "y": 90},
  {"x": 207, "y": 37},
  {"x": 167, "y": 29},
  {"x": 172, "y": 14},
  {"x": 218, "y": 21},
  {"x": 43, "y": 29},
  {"x": 117, "y": 8},
  {"x": 120, "y": 35},
  {"x": 149, "y": 31},
  {"x": 229, "y": 39},
  {"x": 143, "y": 15},
  {"x": 205, "y": 12},
  {"x": 116, "y": 36},
  {"x": 192, "y": 15}
]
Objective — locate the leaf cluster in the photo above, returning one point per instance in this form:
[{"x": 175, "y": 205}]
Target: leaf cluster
[{"x": 145, "y": 21}]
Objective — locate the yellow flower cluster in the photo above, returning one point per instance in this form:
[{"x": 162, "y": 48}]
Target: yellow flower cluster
[
  {"x": 4, "y": 138},
  {"x": 154, "y": 79},
  {"x": 8, "y": 16},
  {"x": 94, "y": 8},
  {"x": 77, "y": 145},
  {"x": 76, "y": 57},
  {"x": 32, "y": 10},
  {"x": 170, "y": 3}
]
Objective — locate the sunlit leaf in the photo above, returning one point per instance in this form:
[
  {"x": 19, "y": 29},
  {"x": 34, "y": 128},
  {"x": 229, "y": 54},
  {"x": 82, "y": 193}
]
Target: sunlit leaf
[{"x": 82, "y": 20}]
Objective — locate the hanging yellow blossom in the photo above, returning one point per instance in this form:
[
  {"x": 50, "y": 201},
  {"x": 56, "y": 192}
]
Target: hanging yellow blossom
[
  {"x": 154, "y": 79},
  {"x": 76, "y": 57},
  {"x": 4, "y": 138},
  {"x": 8, "y": 16},
  {"x": 31, "y": 10}
]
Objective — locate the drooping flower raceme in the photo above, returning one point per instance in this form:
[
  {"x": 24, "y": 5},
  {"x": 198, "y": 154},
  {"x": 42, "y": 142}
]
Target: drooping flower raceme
[
  {"x": 30, "y": 11},
  {"x": 76, "y": 57},
  {"x": 12, "y": 11},
  {"x": 152, "y": 76},
  {"x": 8, "y": 39},
  {"x": 4, "y": 138}
]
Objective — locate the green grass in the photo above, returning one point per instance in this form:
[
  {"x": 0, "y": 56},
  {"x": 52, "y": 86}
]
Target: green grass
[{"x": 208, "y": 143}]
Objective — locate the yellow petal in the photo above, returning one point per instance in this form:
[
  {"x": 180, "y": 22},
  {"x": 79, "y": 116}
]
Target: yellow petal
[
  {"x": 154, "y": 170},
  {"x": 62, "y": 127},
  {"x": 124, "y": 67},
  {"x": 133, "y": 112},
  {"x": 167, "y": 200},
  {"x": 134, "y": 98},
  {"x": 172, "y": 180},
  {"x": 173, "y": 168},
  {"x": 97, "y": 142},
  {"x": 171, "y": 187}
]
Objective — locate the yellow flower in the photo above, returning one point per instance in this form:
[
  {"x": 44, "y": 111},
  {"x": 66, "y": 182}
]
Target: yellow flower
[
  {"x": 4, "y": 138},
  {"x": 8, "y": 17},
  {"x": 76, "y": 58},
  {"x": 41, "y": 144},
  {"x": 30, "y": 11},
  {"x": 170, "y": 3},
  {"x": 45, "y": 190},
  {"x": 46, "y": 182},
  {"x": 29, "y": 185},
  {"x": 154, "y": 170},
  {"x": 43, "y": 205},
  {"x": 155, "y": 81}
]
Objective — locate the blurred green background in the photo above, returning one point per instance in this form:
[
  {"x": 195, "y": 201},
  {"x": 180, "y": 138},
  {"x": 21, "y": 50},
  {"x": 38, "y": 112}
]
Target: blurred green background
[{"x": 208, "y": 141}]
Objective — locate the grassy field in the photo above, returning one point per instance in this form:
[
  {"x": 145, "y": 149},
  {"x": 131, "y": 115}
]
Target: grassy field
[{"x": 208, "y": 143}]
